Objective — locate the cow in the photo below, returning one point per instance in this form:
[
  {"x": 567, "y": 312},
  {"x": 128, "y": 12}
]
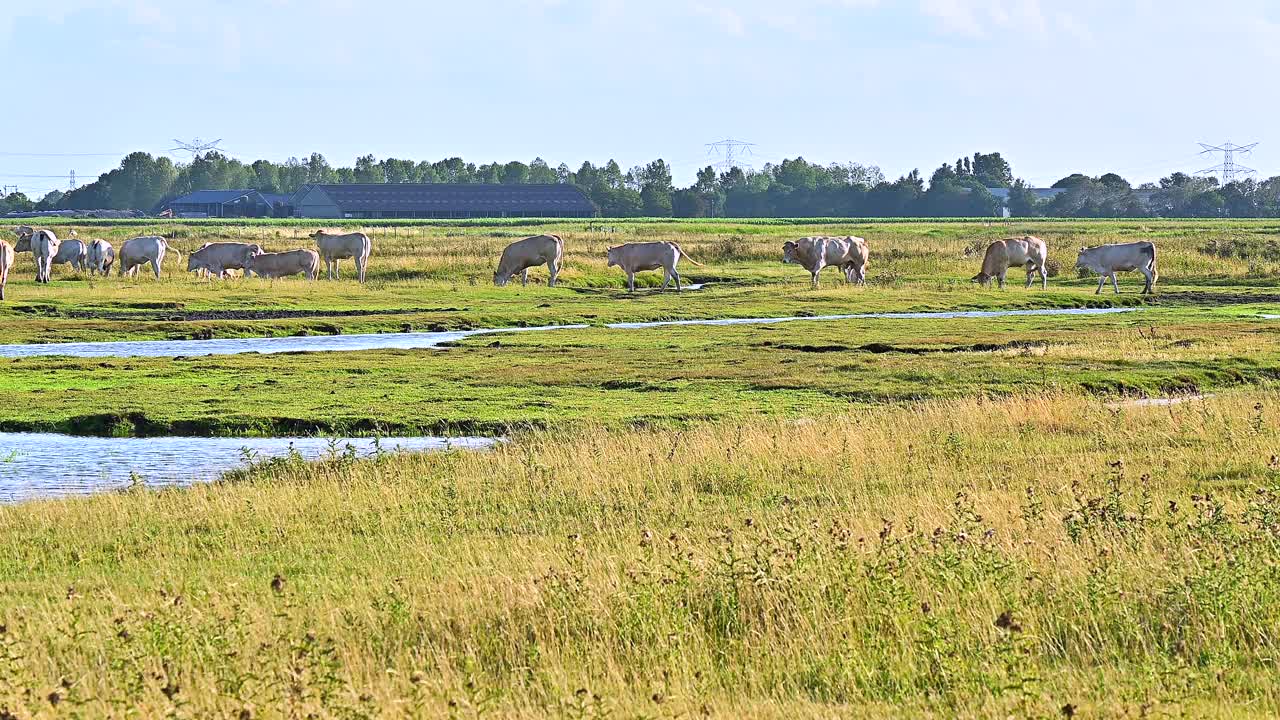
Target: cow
[
  {"x": 284, "y": 264},
  {"x": 217, "y": 258},
  {"x": 44, "y": 248},
  {"x": 24, "y": 233},
  {"x": 815, "y": 253},
  {"x": 7, "y": 254},
  {"x": 530, "y": 252},
  {"x": 100, "y": 257},
  {"x": 1107, "y": 260},
  {"x": 336, "y": 247},
  {"x": 148, "y": 249},
  {"x": 637, "y": 257},
  {"x": 72, "y": 251},
  {"x": 1027, "y": 252}
]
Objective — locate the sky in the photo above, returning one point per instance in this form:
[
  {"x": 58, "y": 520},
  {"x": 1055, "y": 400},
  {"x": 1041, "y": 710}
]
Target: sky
[{"x": 1058, "y": 87}]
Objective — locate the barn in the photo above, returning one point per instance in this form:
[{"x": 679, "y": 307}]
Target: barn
[
  {"x": 228, "y": 203},
  {"x": 440, "y": 200}
]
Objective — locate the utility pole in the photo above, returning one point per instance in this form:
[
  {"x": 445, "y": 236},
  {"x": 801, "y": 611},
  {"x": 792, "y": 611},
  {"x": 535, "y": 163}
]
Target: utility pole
[
  {"x": 731, "y": 152},
  {"x": 1228, "y": 167}
]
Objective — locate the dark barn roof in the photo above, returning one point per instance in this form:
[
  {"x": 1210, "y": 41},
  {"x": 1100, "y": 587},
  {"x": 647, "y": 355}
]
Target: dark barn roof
[
  {"x": 209, "y": 197},
  {"x": 471, "y": 198}
]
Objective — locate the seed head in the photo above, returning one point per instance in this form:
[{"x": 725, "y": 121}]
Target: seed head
[{"x": 277, "y": 584}]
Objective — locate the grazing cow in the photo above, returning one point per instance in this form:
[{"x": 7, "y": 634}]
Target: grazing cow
[
  {"x": 1028, "y": 252},
  {"x": 148, "y": 249},
  {"x": 217, "y": 258},
  {"x": 44, "y": 248},
  {"x": 74, "y": 252},
  {"x": 637, "y": 257},
  {"x": 100, "y": 257},
  {"x": 815, "y": 253},
  {"x": 336, "y": 247},
  {"x": 1107, "y": 260},
  {"x": 530, "y": 252},
  {"x": 6, "y": 263},
  {"x": 284, "y": 264}
]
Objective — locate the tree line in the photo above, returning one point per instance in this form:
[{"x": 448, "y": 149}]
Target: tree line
[{"x": 790, "y": 188}]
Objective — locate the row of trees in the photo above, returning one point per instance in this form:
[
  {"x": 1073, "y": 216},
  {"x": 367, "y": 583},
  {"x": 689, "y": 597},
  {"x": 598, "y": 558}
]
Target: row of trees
[{"x": 791, "y": 188}]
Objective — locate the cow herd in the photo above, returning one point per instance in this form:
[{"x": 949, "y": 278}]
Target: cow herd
[{"x": 849, "y": 254}]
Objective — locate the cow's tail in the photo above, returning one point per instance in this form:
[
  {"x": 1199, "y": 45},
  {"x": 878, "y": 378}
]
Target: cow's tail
[
  {"x": 686, "y": 255},
  {"x": 1151, "y": 265}
]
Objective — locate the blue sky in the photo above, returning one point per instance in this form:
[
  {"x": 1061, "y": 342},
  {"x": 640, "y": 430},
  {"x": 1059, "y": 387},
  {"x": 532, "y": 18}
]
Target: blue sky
[{"x": 1057, "y": 86}]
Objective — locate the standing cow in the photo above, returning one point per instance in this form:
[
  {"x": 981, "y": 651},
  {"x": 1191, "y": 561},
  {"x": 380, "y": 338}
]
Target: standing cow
[
  {"x": 1027, "y": 252},
  {"x": 44, "y": 248},
  {"x": 530, "y": 252},
  {"x": 72, "y": 251},
  {"x": 815, "y": 253},
  {"x": 100, "y": 257},
  {"x": 1107, "y": 260},
  {"x": 284, "y": 264},
  {"x": 637, "y": 257},
  {"x": 148, "y": 249},
  {"x": 336, "y": 247},
  {"x": 217, "y": 258},
  {"x": 6, "y": 263}
]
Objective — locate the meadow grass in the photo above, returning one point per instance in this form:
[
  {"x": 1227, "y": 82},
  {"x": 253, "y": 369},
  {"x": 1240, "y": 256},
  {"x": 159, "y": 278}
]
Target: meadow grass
[{"x": 1044, "y": 555}]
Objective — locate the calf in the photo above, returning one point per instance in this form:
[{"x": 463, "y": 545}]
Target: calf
[
  {"x": 1027, "y": 252},
  {"x": 1107, "y": 260},
  {"x": 637, "y": 257},
  {"x": 530, "y": 252},
  {"x": 283, "y": 264}
]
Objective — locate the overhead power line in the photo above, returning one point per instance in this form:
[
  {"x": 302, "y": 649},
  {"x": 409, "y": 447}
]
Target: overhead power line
[
  {"x": 31, "y": 154},
  {"x": 1228, "y": 167}
]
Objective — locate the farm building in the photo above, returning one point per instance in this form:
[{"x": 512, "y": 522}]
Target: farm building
[
  {"x": 228, "y": 203},
  {"x": 439, "y": 200}
]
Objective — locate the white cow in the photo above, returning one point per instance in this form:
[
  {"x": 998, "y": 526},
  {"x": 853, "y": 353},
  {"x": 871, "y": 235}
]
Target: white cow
[
  {"x": 530, "y": 252},
  {"x": 6, "y": 263},
  {"x": 44, "y": 248},
  {"x": 284, "y": 264},
  {"x": 74, "y": 252},
  {"x": 217, "y": 258},
  {"x": 1107, "y": 260},
  {"x": 335, "y": 247},
  {"x": 1027, "y": 252},
  {"x": 100, "y": 257},
  {"x": 638, "y": 257},
  {"x": 148, "y": 249},
  {"x": 815, "y": 253}
]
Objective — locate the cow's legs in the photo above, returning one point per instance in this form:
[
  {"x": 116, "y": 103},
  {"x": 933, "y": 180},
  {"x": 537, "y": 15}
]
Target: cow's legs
[
  {"x": 1146, "y": 289},
  {"x": 813, "y": 282},
  {"x": 1115, "y": 283},
  {"x": 1102, "y": 281},
  {"x": 675, "y": 274},
  {"x": 555, "y": 272},
  {"x": 524, "y": 277},
  {"x": 155, "y": 267},
  {"x": 1000, "y": 278},
  {"x": 1044, "y": 277},
  {"x": 360, "y": 265},
  {"x": 631, "y": 281}
]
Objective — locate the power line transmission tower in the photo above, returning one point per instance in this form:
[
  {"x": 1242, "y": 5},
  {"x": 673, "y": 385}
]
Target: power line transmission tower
[
  {"x": 731, "y": 152},
  {"x": 73, "y": 179},
  {"x": 1228, "y": 168},
  {"x": 195, "y": 147}
]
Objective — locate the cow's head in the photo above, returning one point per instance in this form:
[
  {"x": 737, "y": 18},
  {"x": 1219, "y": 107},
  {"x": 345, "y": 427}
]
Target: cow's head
[
  {"x": 981, "y": 278},
  {"x": 316, "y": 235},
  {"x": 500, "y": 278},
  {"x": 1087, "y": 259},
  {"x": 788, "y": 252},
  {"x": 613, "y": 256}
]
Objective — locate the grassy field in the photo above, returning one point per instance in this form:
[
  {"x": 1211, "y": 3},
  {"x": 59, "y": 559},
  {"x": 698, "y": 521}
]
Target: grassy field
[
  {"x": 961, "y": 518},
  {"x": 1029, "y": 557},
  {"x": 1201, "y": 332}
]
